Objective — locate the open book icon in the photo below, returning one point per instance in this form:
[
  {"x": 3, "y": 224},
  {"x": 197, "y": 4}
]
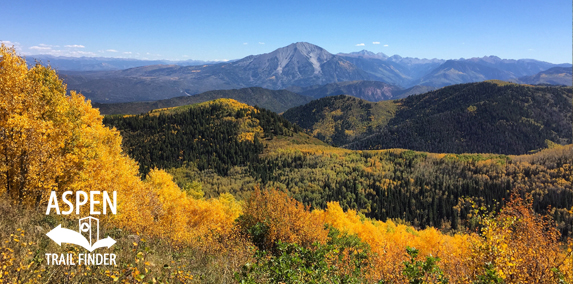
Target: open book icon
[{"x": 62, "y": 235}]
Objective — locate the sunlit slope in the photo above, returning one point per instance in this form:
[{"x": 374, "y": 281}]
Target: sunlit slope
[{"x": 342, "y": 119}]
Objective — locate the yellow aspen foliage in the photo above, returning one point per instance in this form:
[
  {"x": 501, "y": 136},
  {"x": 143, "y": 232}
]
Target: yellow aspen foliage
[
  {"x": 169, "y": 219},
  {"x": 213, "y": 219},
  {"x": 281, "y": 218},
  {"x": 389, "y": 240},
  {"x": 29, "y": 146},
  {"x": 521, "y": 246}
]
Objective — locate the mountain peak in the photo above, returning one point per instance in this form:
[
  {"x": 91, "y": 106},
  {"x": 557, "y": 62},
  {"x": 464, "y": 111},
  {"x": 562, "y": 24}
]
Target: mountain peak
[
  {"x": 365, "y": 54},
  {"x": 301, "y": 64},
  {"x": 492, "y": 59},
  {"x": 304, "y": 48},
  {"x": 297, "y": 54}
]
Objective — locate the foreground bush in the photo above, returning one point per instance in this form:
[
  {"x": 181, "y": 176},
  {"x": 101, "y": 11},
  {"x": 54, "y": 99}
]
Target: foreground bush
[{"x": 272, "y": 216}]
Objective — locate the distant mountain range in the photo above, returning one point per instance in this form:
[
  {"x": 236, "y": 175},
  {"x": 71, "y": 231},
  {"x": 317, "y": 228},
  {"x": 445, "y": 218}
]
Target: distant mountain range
[
  {"x": 395, "y": 69},
  {"x": 486, "y": 117},
  {"x": 63, "y": 63},
  {"x": 299, "y": 65}
]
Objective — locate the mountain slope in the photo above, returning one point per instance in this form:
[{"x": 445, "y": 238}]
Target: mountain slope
[
  {"x": 382, "y": 70},
  {"x": 365, "y": 54},
  {"x": 458, "y": 72},
  {"x": 416, "y": 90},
  {"x": 486, "y": 117},
  {"x": 277, "y": 101},
  {"x": 339, "y": 120},
  {"x": 553, "y": 76},
  {"x": 368, "y": 90}
]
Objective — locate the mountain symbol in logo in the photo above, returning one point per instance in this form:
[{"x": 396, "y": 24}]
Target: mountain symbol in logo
[{"x": 88, "y": 226}]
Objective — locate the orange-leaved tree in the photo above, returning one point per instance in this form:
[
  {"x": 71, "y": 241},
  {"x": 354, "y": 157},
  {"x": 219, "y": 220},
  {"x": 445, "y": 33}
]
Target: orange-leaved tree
[
  {"x": 271, "y": 215},
  {"x": 521, "y": 246}
]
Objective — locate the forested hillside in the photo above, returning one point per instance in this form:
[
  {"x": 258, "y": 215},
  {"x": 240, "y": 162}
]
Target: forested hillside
[
  {"x": 214, "y": 135},
  {"x": 486, "y": 117},
  {"x": 339, "y": 120}
]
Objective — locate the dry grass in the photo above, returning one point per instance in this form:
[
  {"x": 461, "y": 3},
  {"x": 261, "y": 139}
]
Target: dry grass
[{"x": 23, "y": 245}]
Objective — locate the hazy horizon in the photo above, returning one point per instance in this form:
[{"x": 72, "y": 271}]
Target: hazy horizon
[{"x": 234, "y": 59}]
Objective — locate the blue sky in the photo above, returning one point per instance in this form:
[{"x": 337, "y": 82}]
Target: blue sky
[{"x": 219, "y": 30}]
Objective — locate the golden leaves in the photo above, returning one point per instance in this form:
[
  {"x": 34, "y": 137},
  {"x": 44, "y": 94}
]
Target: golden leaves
[{"x": 285, "y": 219}]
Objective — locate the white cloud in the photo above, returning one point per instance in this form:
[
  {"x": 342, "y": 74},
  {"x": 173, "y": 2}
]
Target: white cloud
[
  {"x": 58, "y": 52},
  {"x": 8, "y": 43},
  {"x": 127, "y": 52},
  {"x": 40, "y": 47},
  {"x": 70, "y": 50},
  {"x": 261, "y": 42},
  {"x": 375, "y": 42},
  {"x": 385, "y": 45},
  {"x": 111, "y": 50},
  {"x": 360, "y": 44},
  {"x": 245, "y": 43}
]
